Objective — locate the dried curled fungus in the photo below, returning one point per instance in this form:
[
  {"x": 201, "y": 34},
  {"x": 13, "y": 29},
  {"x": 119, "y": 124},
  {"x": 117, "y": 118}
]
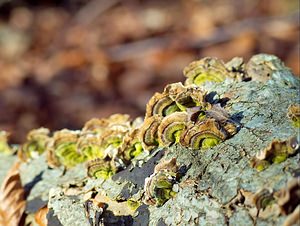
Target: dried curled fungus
[
  {"x": 223, "y": 118},
  {"x": 94, "y": 211},
  {"x": 95, "y": 125},
  {"x": 158, "y": 187},
  {"x": 236, "y": 66},
  {"x": 12, "y": 198},
  {"x": 186, "y": 96},
  {"x": 288, "y": 198},
  {"x": 41, "y": 216},
  {"x": 294, "y": 114},
  {"x": 276, "y": 152}
]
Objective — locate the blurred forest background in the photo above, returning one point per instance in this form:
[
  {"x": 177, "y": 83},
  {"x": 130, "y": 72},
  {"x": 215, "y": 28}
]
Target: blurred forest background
[{"x": 63, "y": 62}]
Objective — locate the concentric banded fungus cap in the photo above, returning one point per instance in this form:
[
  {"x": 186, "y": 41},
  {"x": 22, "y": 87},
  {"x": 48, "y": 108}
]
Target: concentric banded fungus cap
[
  {"x": 65, "y": 136},
  {"x": 51, "y": 158},
  {"x": 89, "y": 145},
  {"x": 207, "y": 69},
  {"x": 63, "y": 145},
  {"x": 171, "y": 127},
  {"x": 276, "y": 152},
  {"x": 160, "y": 104},
  {"x": 192, "y": 97},
  {"x": 111, "y": 139},
  {"x": 98, "y": 126},
  {"x": 148, "y": 132},
  {"x": 119, "y": 122},
  {"x": 131, "y": 146},
  {"x": 263, "y": 198},
  {"x": 101, "y": 168},
  {"x": 173, "y": 89},
  {"x": 204, "y": 134}
]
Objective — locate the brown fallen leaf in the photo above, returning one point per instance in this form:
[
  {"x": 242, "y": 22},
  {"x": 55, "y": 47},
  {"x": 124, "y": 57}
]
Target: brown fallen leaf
[
  {"x": 41, "y": 216},
  {"x": 12, "y": 198}
]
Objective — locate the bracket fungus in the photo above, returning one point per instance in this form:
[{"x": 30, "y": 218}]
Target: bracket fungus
[
  {"x": 184, "y": 115},
  {"x": 294, "y": 114},
  {"x": 277, "y": 152},
  {"x": 171, "y": 127},
  {"x": 288, "y": 197},
  {"x": 35, "y": 144},
  {"x": 101, "y": 168},
  {"x": 95, "y": 125},
  {"x": 185, "y": 96},
  {"x": 263, "y": 198},
  {"x": 261, "y": 67},
  {"x": 159, "y": 187},
  {"x": 204, "y": 70},
  {"x": 148, "y": 132},
  {"x": 131, "y": 146},
  {"x": 203, "y": 134},
  {"x": 88, "y": 145},
  {"x": 211, "y": 125},
  {"x": 63, "y": 145},
  {"x": 93, "y": 211},
  {"x": 160, "y": 104}
]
